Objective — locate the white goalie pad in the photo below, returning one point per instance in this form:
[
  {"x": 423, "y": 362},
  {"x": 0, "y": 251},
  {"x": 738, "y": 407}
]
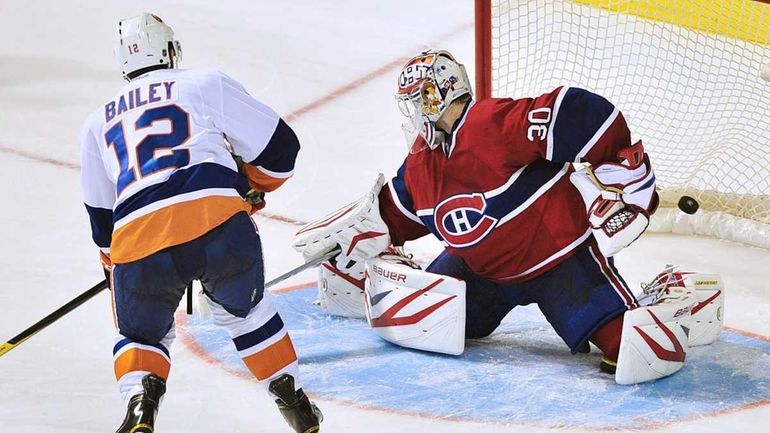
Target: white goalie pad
[
  {"x": 707, "y": 302},
  {"x": 653, "y": 343},
  {"x": 341, "y": 288},
  {"x": 357, "y": 228},
  {"x": 413, "y": 308},
  {"x": 708, "y": 310}
]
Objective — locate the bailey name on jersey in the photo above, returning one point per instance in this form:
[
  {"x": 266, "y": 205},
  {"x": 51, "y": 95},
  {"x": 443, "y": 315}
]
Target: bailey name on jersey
[{"x": 135, "y": 98}]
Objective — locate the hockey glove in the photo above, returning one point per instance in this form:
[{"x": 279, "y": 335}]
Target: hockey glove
[
  {"x": 106, "y": 263},
  {"x": 256, "y": 199},
  {"x": 619, "y": 198},
  {"x": 357, "y": 228}
]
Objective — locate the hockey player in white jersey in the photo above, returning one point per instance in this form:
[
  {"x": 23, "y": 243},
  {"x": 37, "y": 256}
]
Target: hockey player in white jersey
[{"x": 168, "y": 204}]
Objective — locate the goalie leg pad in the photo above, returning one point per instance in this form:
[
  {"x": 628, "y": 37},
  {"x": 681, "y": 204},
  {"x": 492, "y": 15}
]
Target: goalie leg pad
[
  {"x": 707, "y": 300},
  {"x": 341, "y": 288},
  {"x": 485, "y": 302},
  {"x": 414, "y": 308},
  {"x": 707, "y": 312},
  {"x": 653, "y": 343}
]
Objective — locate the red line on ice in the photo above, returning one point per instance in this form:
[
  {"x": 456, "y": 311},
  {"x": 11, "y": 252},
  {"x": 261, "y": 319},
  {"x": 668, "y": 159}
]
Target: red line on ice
[{"x": 39, "y": 158}]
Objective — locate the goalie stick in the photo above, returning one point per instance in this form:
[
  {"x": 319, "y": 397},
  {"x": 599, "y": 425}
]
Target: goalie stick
[{"x": 93, "y": 291}]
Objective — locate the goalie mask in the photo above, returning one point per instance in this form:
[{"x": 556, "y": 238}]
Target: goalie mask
[
  {"x": 144, "y": 42},
  {"x": 427, "y": 85}
]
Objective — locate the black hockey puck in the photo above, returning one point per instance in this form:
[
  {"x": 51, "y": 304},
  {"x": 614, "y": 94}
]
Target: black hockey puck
[{"x": 688, "y": 204}]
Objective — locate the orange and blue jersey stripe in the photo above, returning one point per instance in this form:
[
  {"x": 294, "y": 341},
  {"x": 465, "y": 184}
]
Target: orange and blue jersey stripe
[{"x": 189, "y": 204}]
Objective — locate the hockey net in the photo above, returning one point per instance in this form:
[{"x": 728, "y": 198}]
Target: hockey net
[{"x": 686, "y": 75}]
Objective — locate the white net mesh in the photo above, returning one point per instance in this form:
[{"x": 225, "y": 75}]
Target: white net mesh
[{"x": 685, "y": 73}]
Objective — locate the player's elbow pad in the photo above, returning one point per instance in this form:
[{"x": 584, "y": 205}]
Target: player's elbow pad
[{"x": 275, "y": 164}]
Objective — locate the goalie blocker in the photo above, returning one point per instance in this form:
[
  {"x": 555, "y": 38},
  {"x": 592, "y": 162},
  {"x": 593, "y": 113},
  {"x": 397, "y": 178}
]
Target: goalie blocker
[{"x": 360, "y": 233}]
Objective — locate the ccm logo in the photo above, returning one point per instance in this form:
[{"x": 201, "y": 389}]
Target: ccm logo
[
  {"x": 461, "y": 221},
  {"x": 706, "y": 283},
  {"x": 395, "y": 276}
]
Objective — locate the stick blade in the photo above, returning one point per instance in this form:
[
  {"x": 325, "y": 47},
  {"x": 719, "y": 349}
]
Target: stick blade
[{"x": 5, "y": 348}]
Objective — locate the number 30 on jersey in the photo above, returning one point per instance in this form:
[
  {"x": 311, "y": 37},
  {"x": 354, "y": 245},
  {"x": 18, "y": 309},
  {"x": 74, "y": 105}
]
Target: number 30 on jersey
[{"x": 538, "y": 119}]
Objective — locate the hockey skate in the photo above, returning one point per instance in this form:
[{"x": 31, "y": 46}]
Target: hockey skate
[
  {"x": 608, "y": 366},
  {"x": 301, "y": 414},
  {"x": 143, "y": 408}
]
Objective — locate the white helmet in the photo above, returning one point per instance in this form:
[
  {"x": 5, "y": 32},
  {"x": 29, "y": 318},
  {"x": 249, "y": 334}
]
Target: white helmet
[
  {"x": 145, "y": 42},
  {"x": 427, "y": 85}
]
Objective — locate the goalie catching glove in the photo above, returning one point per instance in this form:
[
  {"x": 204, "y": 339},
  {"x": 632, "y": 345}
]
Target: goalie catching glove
[
  {"x": 358, "y": 229},
  {"x": 619, "y": 198}
]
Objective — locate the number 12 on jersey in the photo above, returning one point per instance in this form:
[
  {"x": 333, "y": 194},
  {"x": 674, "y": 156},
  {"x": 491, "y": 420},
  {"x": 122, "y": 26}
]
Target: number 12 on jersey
[{"x": 145, "y": 150}]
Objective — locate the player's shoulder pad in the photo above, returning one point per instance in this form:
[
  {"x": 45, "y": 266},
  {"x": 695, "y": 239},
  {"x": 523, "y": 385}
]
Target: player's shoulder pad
[
  {"x": 491, "y": 111},
  {"x": 578, "y": 99},
  {"x": 493, "y": 105},
  {"x": 204, "y": 73},
  {"x": 500, "y": 119},
  {"x": 214, "y": 77}
]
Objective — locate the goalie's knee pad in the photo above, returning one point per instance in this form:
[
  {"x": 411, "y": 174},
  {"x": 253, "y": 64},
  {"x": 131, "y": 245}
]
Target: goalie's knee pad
[{"x": 414, "y": 308}]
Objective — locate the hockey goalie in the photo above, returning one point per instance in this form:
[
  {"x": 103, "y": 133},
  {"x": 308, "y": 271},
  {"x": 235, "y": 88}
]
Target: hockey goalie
[{"x": 530, "y": 198}]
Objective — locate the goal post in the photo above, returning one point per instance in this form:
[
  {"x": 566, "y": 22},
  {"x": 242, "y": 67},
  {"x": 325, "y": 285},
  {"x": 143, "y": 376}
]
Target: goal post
[
  {"x": 483, "y": 33},
  {"x": 687, "y": 75}
]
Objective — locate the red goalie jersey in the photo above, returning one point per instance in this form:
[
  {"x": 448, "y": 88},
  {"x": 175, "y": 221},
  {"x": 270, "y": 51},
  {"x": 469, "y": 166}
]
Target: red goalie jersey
[{"x": 497, "y": 194}]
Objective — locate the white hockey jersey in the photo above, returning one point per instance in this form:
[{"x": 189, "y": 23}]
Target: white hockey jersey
[{"x": 156, "y": 168}]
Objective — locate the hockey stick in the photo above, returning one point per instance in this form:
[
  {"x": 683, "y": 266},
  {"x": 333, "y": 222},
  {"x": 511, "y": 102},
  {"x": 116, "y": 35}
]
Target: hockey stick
[
  {"x": 56, "y": 315},
  {"x": 90, "y": 293},
  {"x": 312, "y": 263}
]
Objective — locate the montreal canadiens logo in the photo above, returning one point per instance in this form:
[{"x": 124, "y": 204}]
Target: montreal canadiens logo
[{"x": 461, "y": 221}]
